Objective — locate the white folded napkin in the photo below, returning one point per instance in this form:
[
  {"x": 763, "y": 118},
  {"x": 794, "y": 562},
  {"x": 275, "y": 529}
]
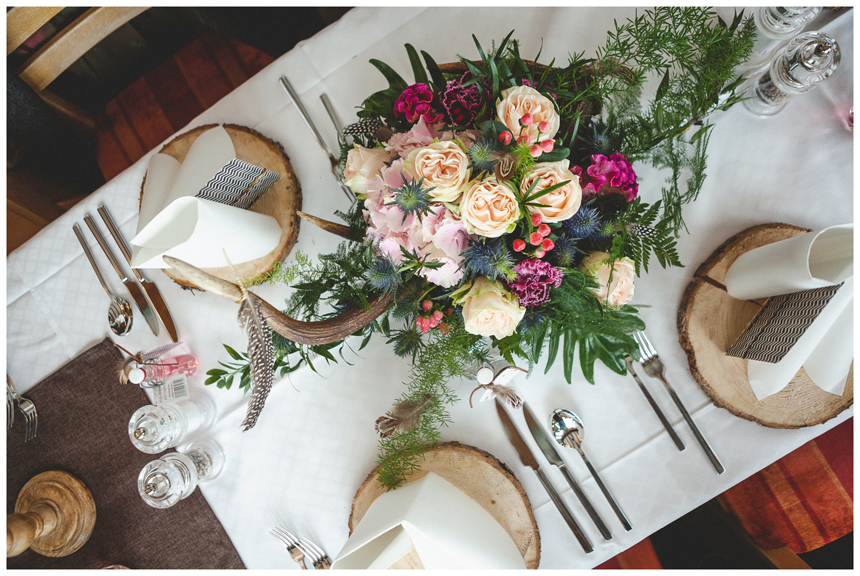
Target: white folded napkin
[
  {"x": 175, "y": 223},
  {"x": 814, "y": 260},
  {"x": 448, "y": 530}
]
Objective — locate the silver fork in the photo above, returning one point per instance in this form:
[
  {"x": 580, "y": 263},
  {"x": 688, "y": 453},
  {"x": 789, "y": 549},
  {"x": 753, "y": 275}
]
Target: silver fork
[
  {"x": 655, "y": 369},
  {"x": 31, "y": 416},
  {"x": 320, "y": 559},
  {"x": 10, "y": 409},
  {"x": 335, "y": 163},
  {"x": 292, "y": 544}
]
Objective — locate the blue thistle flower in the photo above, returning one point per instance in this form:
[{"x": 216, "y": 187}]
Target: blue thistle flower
[
  {"x": 489, "y": 258},
  {"x": 565, "y": 254},
  {"x": 383, "y": 276},
  {"x": 412, "y": 198},
  {"x": 530, "y": 321},
  {"x": 582, "y": 224},
  {"x": 604, "y": 230},
  {"x": 483, "y": 154}
]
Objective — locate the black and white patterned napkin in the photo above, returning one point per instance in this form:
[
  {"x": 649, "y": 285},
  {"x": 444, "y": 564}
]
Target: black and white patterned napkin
[
  {"x": 780, "y": 324},
  {"x": 238, "y": 184}
]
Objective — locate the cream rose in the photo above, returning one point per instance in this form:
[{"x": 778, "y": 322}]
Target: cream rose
[
  {"x": 562, "y": 203},
  {"x": 618, "y": 291},
  {"x": 517, "y": 102},
  {"x": 489, "y": 208},
  {"x": 444, "y": 167},
  {"x": 488, "y": 310},
  {"x": 361, "y": 164}
]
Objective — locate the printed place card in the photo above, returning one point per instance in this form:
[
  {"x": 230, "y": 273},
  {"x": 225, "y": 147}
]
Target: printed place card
[{"x": 780, "y": 324}]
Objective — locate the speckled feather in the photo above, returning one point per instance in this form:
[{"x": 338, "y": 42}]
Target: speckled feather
[{"x": 261, "y": 353}]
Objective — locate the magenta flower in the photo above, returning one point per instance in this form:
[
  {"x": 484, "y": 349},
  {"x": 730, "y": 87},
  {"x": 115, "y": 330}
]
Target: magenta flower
[
  {"x": 417, "y": 102},
  {"x": 607, "y": 176},
  {"x": 462, "y": 103},
  {"x": 534, "y": 279}
]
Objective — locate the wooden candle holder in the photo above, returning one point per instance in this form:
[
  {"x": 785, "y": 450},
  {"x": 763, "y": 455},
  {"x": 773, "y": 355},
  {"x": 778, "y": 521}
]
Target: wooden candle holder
[{"x": 54, "y": 516}]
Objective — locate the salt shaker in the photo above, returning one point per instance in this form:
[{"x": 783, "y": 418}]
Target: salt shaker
[
  {"x": 154, "y": 429},
  {"x": 173, "y": 477},
  {"x": 804, "y": 63},
  {"x": 773, "y": 25}
]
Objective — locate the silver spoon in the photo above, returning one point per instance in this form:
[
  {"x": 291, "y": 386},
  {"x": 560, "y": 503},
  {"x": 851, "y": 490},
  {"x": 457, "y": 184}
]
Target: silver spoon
[
  {"x": 120, "y": 315},
  {"x": 568, "y": 430}
]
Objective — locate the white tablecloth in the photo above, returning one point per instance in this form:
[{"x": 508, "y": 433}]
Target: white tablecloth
[{"x": 314, "y": 444}]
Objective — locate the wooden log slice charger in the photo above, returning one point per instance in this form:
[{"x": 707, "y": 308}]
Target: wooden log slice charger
[
  {"x": 709, "y": 322},
  {"x": 54, "y": 516},
  {"x": 483, "y": 479},
  {"x": 282, "y": 201}
]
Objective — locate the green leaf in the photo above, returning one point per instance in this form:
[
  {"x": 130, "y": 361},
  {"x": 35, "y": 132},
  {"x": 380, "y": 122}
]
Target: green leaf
[
  {"x": 480, "y": 50},
  {"x": 558, "y": 154},
  {"x": 235, "y": 355},
  {"x": 663, "y": 88},
  {"x": 395, "y": 81},
  {"x": 417, "y": 68},
  {"x": 552, "y": 350},
  {"x": 435, "y": 72}
]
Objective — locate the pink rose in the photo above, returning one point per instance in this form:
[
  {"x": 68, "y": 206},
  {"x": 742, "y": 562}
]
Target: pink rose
[
  {"x": 521, "y": 100},
  {"x": 562, "y": 203},
  {"x": 444, "y": 166},
  {"x": 488, "y": 310},
  {"x": 361, "y": 164},
  {"x": 489, "y": 208},
  {"x": 615, "y": 282}
]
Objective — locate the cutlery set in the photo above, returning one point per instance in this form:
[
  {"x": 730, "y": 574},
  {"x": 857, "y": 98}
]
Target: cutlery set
[
  {"x": 568, "y": 430},
  {"x": 654, "y": 368},
  {"x": 301, "y": 549},
  {"x": 333, "y": 159},
  {"x": 120, "y": 314}
]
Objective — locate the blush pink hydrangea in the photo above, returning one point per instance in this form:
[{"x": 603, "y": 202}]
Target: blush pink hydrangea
[
  {"x": 439, "y": 236},
  {"x": 606, "y": 176},
  {"x": 535, "y": 277}
]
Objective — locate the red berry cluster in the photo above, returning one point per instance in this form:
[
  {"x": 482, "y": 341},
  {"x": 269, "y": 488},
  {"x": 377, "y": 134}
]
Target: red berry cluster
[
  {"x": 433, "y": 318},
  {"x": 537, "y": 238},
  {"x": 540, "y": 146}
]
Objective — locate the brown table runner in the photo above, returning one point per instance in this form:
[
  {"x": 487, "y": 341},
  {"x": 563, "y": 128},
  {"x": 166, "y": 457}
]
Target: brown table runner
[{"x": 83, "y": 419}]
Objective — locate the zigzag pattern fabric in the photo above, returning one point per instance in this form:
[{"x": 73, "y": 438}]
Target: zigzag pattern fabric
[
  {"x": 780, "y": 324},
  {"x": 238, "y": 184}
]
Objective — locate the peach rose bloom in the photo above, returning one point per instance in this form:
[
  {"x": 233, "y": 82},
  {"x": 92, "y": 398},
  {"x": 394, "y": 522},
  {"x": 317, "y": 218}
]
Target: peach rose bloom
[
  {"x": 489, "y": 310},
  {"x": 618, "y": 291},
  {"x": 444, "y": 167},
  {"x": 489, "y": 208},
  {"x": 361, "y": 164},
  {"x": 562, "y": 202},
  {"x": 521, "y": 100}
]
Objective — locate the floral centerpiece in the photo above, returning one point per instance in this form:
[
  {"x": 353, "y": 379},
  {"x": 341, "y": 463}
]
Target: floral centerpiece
[{"x": 499, "y": 207}]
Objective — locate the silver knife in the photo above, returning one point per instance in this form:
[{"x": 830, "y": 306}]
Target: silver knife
[
  {"x": 133, "y": 289},
  {"x": 660, "y": 415},
  {"x": 148, "y": 285},
  {"x": 546, "y": 446},
  {"x": 528, "y": 459}
]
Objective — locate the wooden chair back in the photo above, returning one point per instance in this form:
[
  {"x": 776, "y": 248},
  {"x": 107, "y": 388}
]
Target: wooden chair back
[{"x": 62, "y": 50}]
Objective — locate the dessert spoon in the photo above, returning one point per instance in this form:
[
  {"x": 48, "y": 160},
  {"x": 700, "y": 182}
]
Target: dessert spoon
[
  {"x": 120, "y": 315},
  {"x": 568, "y": 430}
]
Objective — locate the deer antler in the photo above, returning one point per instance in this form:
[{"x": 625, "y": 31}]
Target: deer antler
[{"x": 301, "y": 332}]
